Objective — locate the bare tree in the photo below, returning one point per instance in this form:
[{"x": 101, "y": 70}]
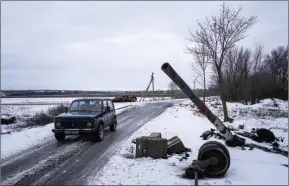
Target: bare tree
[
  {"x": 199, "y": 65},
  {"x": 219, "y": 35},
  {"x": 256, "y": 67},
  {"x": 277, "y": 65},
  {"x": 236, "y": 69},
  {"x": 173, "y": 88},
  {"x": 275, "y": 71},
  {"x": 249, "y": 77}
]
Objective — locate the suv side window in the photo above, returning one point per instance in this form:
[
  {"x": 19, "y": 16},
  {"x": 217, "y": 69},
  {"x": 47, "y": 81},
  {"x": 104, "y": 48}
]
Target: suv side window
[
  {"x": 110, "y": 105},
  {"x": 104, "y": 104}
]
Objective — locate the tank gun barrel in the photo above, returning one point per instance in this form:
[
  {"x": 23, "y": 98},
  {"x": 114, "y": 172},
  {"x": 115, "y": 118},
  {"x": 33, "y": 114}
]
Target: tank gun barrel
[{"x": 173, "y": 75}]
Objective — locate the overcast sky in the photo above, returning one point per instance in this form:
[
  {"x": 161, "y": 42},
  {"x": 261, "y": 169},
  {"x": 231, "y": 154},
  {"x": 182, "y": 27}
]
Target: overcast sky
[{"x": 113, "y": 45}]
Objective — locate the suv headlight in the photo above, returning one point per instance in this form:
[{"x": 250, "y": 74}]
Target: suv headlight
[
  {"x": 58, "y": 124},
  {"x": 89, "y": 124}
]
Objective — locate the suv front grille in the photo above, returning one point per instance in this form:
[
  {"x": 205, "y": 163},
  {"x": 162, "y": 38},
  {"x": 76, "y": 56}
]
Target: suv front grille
[{"x": 75, "y": 124}]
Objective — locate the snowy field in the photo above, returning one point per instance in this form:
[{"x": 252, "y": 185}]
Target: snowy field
[
  {"x": 24, "y": 112},
  {"x": 247, "y": 167}
]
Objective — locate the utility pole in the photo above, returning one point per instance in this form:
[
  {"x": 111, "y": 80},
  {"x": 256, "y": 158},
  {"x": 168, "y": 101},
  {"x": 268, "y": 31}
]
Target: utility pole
[
  {"x": 195, "y": 82},
  {"x": 153, "y": 86}
]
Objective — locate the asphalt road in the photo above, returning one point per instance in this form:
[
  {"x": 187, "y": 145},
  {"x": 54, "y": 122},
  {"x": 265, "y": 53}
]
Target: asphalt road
[{"x": 76, "y": 159}]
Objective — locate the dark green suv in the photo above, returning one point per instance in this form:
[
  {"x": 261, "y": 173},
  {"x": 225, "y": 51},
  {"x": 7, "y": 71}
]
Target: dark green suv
[{"x": 86, "y": 117}]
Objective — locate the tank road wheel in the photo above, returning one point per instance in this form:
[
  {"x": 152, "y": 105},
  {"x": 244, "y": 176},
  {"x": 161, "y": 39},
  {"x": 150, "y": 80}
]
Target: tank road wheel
[{"x": 220, "y": 152}]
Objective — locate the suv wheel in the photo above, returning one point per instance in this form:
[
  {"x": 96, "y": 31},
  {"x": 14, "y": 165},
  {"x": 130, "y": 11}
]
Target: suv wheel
[
  {"x": 99, "y": 134},
  {"x": 59, "y": 136},
  {"x": 113, "y": 126}
]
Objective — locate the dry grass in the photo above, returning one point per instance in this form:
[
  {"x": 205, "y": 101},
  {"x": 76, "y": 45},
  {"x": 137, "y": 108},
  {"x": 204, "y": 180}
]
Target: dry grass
[{"x": 43, "y": 118}]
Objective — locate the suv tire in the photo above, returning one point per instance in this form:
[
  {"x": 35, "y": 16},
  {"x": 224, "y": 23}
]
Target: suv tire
[
  {"x": 112, "y": 127},
  {"x": 98, "y": 136},
  {"x": 59, "y": 136}
]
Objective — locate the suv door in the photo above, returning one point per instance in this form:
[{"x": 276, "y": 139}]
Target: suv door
[
  {"x": 111, "y": 113},
  {"x": 105, "y": 115}
]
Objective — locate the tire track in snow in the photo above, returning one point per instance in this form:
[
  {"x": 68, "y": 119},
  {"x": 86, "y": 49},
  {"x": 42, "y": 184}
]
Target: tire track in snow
[{"x": 29, "y": 176}]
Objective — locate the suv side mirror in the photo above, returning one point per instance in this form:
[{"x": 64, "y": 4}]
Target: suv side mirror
[
  {"x": 66, "y": 109},
  {"x": 107, "y": 108}
]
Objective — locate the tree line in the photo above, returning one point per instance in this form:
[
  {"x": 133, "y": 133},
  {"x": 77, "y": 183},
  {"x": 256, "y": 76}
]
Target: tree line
[{"x": 249, "y": 76}]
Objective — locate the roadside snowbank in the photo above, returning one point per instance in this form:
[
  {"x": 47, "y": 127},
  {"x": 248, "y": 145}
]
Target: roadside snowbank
[
  {"x": 27, "y": 138},
  {"x": 122, "y": 107},
  {"x": 247, "y": 167}
]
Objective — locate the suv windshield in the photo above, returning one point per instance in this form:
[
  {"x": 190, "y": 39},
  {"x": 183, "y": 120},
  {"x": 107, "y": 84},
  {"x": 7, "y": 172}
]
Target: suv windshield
[{"x": 86, "y": 106}]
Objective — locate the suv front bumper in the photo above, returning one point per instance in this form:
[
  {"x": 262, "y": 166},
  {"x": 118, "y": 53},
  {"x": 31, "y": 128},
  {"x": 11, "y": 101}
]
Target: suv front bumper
[{"x": 73, "y": 131}]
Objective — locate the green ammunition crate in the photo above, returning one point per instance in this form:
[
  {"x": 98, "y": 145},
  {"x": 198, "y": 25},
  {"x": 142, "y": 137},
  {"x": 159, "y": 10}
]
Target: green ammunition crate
[{"x": 151, "y": 147}]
